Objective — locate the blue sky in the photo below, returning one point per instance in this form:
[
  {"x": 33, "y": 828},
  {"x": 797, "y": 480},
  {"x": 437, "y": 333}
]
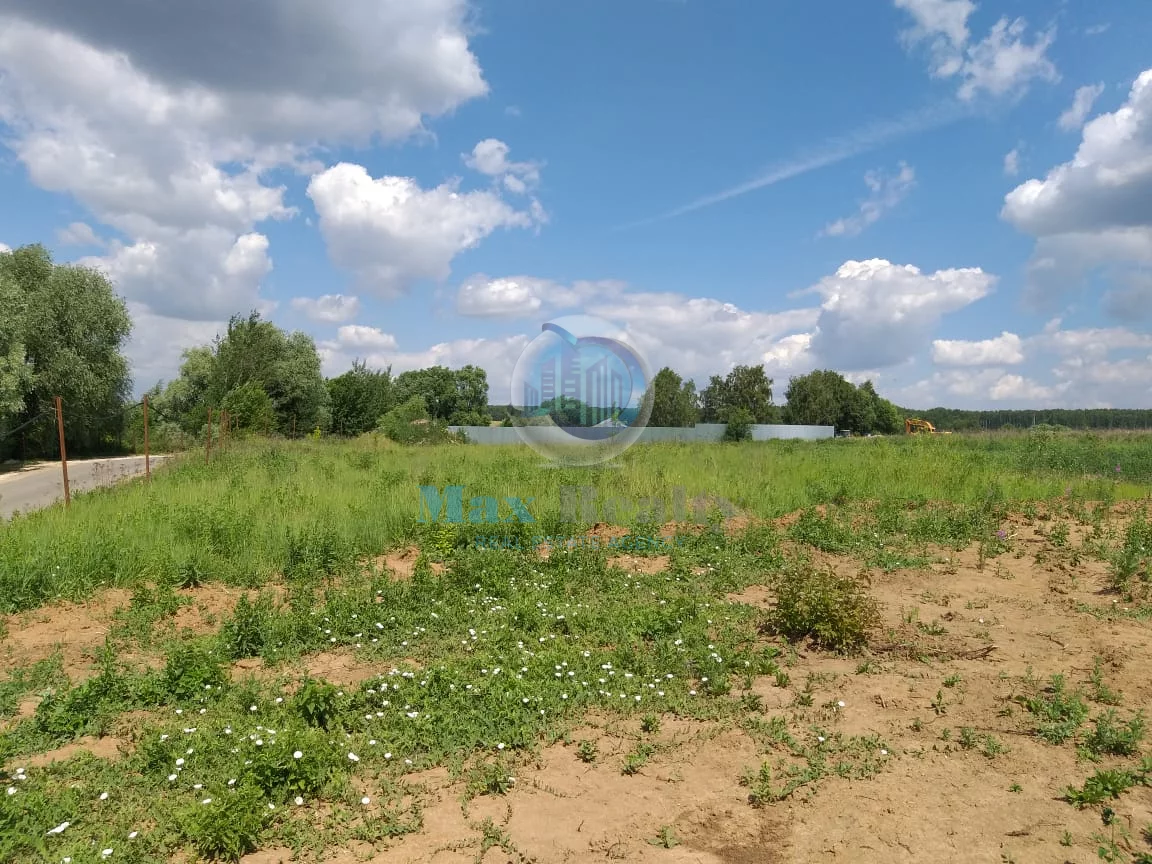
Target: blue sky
[{"x": 950, "y": 198}]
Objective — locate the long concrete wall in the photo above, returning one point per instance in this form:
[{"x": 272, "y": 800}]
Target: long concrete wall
[{"x": 702, "y": 432}]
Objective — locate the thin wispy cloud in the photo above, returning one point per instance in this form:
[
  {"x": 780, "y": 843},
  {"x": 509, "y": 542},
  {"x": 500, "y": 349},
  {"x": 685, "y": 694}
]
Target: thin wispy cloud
[
  {"x": 887, "y": 191},
  {"x": 860, "y": 141}
]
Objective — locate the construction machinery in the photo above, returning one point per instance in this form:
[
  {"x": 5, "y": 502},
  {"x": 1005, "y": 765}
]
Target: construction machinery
[{"x": 914, "y": 426}]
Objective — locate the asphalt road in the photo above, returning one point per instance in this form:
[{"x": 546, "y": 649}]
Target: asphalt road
[{"x": 43, "y": 485}]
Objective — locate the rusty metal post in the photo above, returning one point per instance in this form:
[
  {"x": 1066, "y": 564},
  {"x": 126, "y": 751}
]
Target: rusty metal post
[
  {"x": 63, "y": 452},
  {"x": 147, "y": 460}
]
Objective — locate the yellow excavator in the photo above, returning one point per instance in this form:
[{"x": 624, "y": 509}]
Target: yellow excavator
[{"x": 914, "y": 426}]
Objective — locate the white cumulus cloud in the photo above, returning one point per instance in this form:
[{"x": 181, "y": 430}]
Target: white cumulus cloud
[
  {"x": 329, "y": 308},
  {"x": 1005, "y": 349},
  {"x": 78, "y": 234},
  {"x": 150, "y": 117},
  {"x": 876, "y": 314},
  {"x": 204, "y": 274},
  {"x": 514, "y": 297},
  {"x": 1096, "y": 209},
  {"x": 389, "y": 232},
  {"x": 360, "y": 337},
  {"x": 490, "y": 157}
]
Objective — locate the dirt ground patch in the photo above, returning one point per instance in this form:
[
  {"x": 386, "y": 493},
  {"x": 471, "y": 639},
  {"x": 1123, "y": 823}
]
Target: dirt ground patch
[
  {"x": 77, "y": 630},
  {"x": 964, "y": 776},
  {"x": 639, "y": 563},
  {"x": 342, "y": 668},
  {"x": 208, "y": 607},
  {"x": 338, "y": 667},
  {"x": 101, "y": 748},
  {"x": 562, "y": 809},
  {"x": 939, "y": 701},
  {"x": 401, "y": 564}
]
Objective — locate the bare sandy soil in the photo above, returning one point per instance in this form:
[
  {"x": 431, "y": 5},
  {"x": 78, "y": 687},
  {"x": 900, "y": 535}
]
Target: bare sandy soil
[{"x": 960, "y": 643}]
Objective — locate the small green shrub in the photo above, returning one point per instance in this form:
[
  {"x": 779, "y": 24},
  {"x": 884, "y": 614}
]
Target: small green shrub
[
  {"x": 192, "y": 671},
  {"x": 490, "y": 777},
  {"x": 279, "y": 773},
  {"x": 1100, "y": 787},
  {"x": 587, "y": 751},
  {"x": 316, "y": 551},
  {"x": 739, "y": 425},
  {"x": 835, "y": 612},
  {"x": 245, "y": 634},
  {"x": 650, "y": 723},
  {"x": 1131, "y": 564},
  {"x": 316, "y": 703},
  {"x": 409, "y": 423},
  {"x": 1058, "y": 713},
  {"x": 227, "y": 827},
  {"x": 1113, "y": 738}
]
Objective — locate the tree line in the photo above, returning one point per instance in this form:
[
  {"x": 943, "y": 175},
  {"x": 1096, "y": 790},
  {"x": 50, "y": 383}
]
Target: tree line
[
  {"x": 1083, "y": 418},
  {"x": 745, "y": 396},
  {"x": 64, "y": 329},
  {"x": 270, "y": 382}
]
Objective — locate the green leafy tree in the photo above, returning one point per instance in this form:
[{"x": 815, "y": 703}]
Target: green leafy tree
[
  {"x": 185, "y": 399},
  {"x": 887, "y": 418},
  {"x": 673, "y": 400},
  {"x": 826, "y": 398},
  {"x": 410, "y": 423},
  {"x": 15, "y": 372},
  {"x": 472, "y": 393},
  {"x": 739, "y": 426},
  {"x": 359, "y": 398},
  {"x": 436, "y": 385},
  {"x": 567, "y": 411},
  {"x": 747, "y": 387},
  {"x": 297, "y": 388},
  {"x": 251, "y": 355},
  {"x": 72, "y": 328},
  {"x": 399, "y": 423},
  {"x": 459, "y": 397},
  {"x": 285, "y": 366},
  {"x": 249, "y": 408},
  {"x": 712, "y": 400},
  {"x": 469, "y": 418}
]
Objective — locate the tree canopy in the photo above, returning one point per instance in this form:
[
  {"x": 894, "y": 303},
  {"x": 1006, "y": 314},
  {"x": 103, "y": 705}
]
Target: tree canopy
[
  {"x": 674, "y": 401},
  {"x": 458, "y": 396},
  {"x": 826, "y": 398},
  {"x": 271, "y": 380},
  {"x": 62, "y": 334},
  {"x": 360, "y": 397},
  {"x": 746, "y": 387}
]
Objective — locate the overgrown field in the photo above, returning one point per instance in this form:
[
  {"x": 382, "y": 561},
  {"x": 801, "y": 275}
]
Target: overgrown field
[{"x": 271, "y": 652}]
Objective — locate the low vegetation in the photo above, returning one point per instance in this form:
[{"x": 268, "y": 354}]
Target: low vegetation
[{"x": 362, "y": 649}]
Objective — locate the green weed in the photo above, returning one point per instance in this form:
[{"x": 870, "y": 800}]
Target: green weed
[
  {"x": 835, "y": 612},
  {"x": 1059, "y": 714}
]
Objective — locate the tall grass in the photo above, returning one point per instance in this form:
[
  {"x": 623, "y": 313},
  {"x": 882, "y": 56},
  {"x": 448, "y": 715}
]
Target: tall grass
[{"x": 263, "y": 508}]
